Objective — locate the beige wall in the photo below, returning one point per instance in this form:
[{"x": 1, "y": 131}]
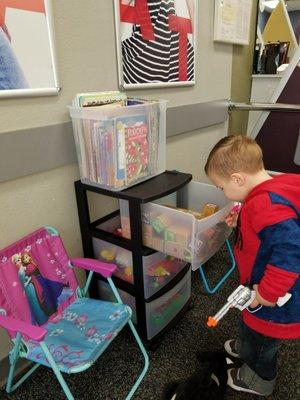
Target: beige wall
[{"x": 86, "y": 57}]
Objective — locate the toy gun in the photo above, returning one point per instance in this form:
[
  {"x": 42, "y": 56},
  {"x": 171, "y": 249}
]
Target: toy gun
[{"x": 241, "y": 298}]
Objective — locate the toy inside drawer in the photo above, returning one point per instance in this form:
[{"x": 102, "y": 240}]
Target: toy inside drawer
[{"x": 195, "y": 231}]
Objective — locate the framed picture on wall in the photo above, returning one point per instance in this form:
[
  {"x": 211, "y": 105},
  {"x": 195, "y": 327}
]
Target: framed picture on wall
[
  {"x": 232, "y": 21},
  {"x": 156, "y": 42},
  {"x": 27, "y": 60}
]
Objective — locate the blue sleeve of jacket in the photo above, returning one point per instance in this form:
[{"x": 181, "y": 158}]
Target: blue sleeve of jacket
[{"x": 283, "y": 243}]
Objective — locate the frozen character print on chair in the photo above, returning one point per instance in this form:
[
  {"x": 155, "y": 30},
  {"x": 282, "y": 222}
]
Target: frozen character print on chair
[
  {"x": 38, "y": 317},
  {"x": 43, "y": 294},
  {"x": 52, "y": 290}
]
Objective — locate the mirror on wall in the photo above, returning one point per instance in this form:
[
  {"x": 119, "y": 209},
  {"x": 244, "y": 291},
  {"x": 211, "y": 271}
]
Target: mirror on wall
[
  {"x": 278, "y": 133},
  {"x": 278, "y": 35},
  {"x": 27, "y": 62}
]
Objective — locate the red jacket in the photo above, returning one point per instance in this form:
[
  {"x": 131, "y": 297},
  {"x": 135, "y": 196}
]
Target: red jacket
[{"x": 267, "y": 252}]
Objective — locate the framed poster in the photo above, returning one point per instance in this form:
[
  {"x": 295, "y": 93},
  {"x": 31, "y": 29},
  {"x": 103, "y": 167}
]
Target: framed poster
[
  {"x": 27, "y": 60},
  {"x": 155, "y": 42},
  {"x": 232, "y": 21}
]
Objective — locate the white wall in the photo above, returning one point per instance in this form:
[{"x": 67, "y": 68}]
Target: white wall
[{"x": 86, "y": 55}]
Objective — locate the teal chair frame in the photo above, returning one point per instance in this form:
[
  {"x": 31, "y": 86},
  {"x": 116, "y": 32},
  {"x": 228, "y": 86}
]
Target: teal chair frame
[
  {"x": 22, "y": 328},
  {"x": 222, "y": 280},
  {"x": 16, "y": 352}
]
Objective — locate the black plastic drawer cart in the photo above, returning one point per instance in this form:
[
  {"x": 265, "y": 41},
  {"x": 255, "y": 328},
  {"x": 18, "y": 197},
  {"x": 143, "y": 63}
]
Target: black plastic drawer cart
[{"x": 174, "y": 297}]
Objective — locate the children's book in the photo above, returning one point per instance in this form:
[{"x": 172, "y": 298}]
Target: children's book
[
  {"x": 100, "y": 98},
  {"x": 153, "y": 126},
  {"x": 135, "y": 102},
  {"x": 103, "y": 138},
  {"x": 108, "y": 138},
  {"x": 135, "y": 135},
  {"x": 96, "y": 151},
  {"x": 96, "y": 133},
  {"x": 80, "y": 148},
  {"x": 103, "y": 155},
  {"x": 154, "y": 123},
  {"x": 121, "y": 153},
  {"x": 87, "y": 125}
]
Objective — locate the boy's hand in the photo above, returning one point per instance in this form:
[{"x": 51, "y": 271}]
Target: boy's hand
[
  {"x": 231, "y": 219},
  {"x": 260, "y": 300}
]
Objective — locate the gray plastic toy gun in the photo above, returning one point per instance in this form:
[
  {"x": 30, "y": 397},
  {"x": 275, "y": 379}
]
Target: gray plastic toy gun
[{"x": 241, "y": 298}]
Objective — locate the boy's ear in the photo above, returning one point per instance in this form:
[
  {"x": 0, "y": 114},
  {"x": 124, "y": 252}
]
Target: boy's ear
[{"x": 238, "y": 179}]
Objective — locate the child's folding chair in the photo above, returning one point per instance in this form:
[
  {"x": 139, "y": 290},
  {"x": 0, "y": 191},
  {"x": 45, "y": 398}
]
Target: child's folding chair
[{"x": 48, "y": 317}]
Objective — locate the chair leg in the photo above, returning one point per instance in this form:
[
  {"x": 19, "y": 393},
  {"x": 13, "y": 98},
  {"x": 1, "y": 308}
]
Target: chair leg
[
  {"x": 13, "y": 358},
  {"x": 146, "y": 361},
  {"x": 139, "y": 342},
  {"x": 24, "y": 377},
  {"x": 224, "y": 278},
  {"x": 57, "y": 371}
]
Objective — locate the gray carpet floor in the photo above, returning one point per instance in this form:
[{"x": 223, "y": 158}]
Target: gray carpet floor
[{"x": 175, "y": 359}]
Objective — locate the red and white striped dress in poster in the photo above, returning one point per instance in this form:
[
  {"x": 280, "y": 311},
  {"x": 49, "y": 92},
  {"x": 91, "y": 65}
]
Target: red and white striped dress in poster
[{"x": 158, "y": 49}]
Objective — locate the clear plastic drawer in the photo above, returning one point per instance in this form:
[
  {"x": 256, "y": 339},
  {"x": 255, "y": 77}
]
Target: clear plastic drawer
[
  {"x": 158, "y": 268},
  {"x": 159, "y": 312},
  {"x": 184, "y": 235}
]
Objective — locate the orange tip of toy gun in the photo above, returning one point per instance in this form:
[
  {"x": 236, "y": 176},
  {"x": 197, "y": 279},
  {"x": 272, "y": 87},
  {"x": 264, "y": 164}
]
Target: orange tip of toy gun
[{"x": 211, "y": 322}]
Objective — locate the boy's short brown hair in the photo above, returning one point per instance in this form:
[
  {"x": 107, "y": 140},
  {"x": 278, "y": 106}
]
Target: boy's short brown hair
[{"x": 234, "y": 153}]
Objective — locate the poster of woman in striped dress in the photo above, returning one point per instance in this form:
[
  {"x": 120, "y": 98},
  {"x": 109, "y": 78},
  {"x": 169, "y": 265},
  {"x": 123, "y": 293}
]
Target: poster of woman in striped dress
[{"x": 156, "y": 41}]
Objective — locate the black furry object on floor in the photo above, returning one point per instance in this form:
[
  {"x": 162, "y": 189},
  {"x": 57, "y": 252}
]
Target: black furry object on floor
[
  {"x": 112, "y": 376},
  {"x": 209, "y": 382}
]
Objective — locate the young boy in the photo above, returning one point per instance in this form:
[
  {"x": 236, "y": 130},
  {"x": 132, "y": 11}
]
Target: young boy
[{"x": 267, "y": 251}]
